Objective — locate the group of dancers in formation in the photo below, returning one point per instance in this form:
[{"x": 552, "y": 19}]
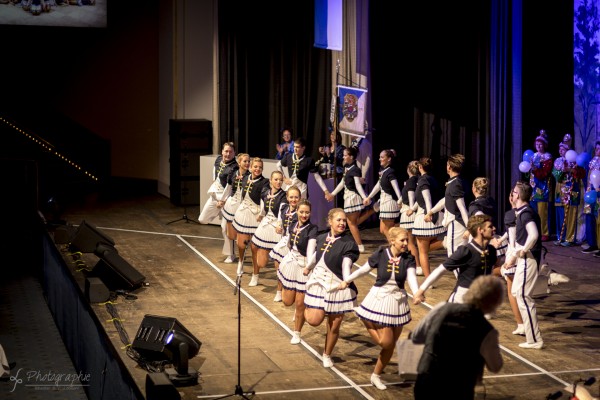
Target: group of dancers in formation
[{"x": 314, "y": 270}]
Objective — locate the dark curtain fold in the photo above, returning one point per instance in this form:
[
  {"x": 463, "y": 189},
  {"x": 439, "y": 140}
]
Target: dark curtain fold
[
  {"x": 503, "y": 145},
  {"x": 432, "y": 106},
  {"x": 271, "y": 76}
]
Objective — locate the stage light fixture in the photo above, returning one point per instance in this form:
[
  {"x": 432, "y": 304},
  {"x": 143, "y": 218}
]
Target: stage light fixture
[{"x": 166, "y": 339}]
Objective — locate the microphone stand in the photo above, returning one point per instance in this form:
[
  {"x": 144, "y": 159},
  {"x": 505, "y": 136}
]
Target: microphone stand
[
  {"x": 237, "y": 291},
  {"x": 184, "y": 218}
]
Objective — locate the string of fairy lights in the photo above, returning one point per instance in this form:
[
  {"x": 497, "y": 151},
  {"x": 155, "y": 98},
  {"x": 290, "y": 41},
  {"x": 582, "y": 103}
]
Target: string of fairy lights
[{"x": 49, "y": 148}]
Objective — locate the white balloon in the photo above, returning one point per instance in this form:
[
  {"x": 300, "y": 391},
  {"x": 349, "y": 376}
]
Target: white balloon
[
  {"x": 524, "y": 166},
  {"x": 571, "y": 156},
  {"x": 595, "y": 178}
]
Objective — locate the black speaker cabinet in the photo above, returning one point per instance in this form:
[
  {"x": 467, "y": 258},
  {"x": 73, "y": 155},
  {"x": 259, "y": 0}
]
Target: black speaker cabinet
[
  {"x": 117, "y": 273},
  {"x": 160, "y": 387},
  {"x": 87, "y": 238},
  {"x": 95, "y": 290},
  {"x": 64, "y": 234},
  {"x": 188, "y": 140}
]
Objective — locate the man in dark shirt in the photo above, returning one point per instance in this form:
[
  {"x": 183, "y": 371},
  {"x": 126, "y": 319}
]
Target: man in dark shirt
[
  {"x": 452, "y": 332},
  {"x": 470, "y": 260}
]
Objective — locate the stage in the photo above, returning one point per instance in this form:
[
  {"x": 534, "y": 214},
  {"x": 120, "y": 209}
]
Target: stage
[{"x": 187, "y": 279}]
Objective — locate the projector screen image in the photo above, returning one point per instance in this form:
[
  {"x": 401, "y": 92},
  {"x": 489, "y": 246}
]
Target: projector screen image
[{"x": 75, "y": 13}]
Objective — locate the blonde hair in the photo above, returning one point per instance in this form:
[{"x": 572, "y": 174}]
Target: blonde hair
[
  {"x": 304, "y": 202},
  {"x": 481, "y": 185},
  {"x": 396, "y": 231},
  {"x": 240, "y": 156},
  {"x": 413, "y": 168},
  {"x": 294, "y": 187},
  {"x": 332, "y": 212}
]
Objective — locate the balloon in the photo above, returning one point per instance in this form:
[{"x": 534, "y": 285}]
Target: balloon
[
  {"x": 571, "y": 156},
  {"x": 583, "y": 159},
  {"x": 595, "y": 178},
  {"x": 590, "y": 197},
  {"x": 525, "y": 166},
  {"x": 528, "y": 155}
]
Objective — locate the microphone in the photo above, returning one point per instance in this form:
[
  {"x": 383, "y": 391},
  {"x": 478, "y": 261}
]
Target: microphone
[
  {"x": 240, "y": 268},
  {"x": 589, "y": 381},
  {"x": 554, "y": 396}
]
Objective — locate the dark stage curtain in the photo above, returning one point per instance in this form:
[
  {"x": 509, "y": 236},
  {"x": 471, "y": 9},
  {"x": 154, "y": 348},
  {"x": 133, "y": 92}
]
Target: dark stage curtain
[
  {"x": 479, "y": 78},
  {"x": 429, "y": 104},
  {"x": 504, "y": 122},
  {"x": 271, "y": 76}
]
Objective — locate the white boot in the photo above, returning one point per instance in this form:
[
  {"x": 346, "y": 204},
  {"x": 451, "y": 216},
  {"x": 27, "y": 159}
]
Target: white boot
[
  {"x": 520, "y": 330},
  {"x": 253, "y": 280},
  {"x": 295, "y": 338},
  {"x": 376, "y": 381}
]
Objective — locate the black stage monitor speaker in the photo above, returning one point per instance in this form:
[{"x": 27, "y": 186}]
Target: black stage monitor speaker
[
  {"x": 152, "y": 337},
  {"x": 64, "y": 234},
  {"x": 117, "y": 273},
  {"x": 160, "y": 387},
  {"x": 88, "y": 237},
  {"x": 165, "y": 339},
  {"x": 95, "y": 290}
]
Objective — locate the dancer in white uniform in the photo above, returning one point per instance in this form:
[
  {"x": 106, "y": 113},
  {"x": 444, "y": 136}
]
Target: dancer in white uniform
[
  {"x": 528, "y": 247},
  {"x": 455, "y": 210},
  {"x": 232, "y": 198},
  {"x": 224, "y": 165},
  {"x": 390, "y": 199},
  {"x": 384, "y": 311},
  {"x": 336, "y": 252},
  {"x": 354, "y": 195},
  {"x": 266, "y": 236},
  {"x": 426, "y": 232},
  {"x": 247, "y": 216},
  {"x": 288, "y": 215},
  {"x": 302, "y": 243}
]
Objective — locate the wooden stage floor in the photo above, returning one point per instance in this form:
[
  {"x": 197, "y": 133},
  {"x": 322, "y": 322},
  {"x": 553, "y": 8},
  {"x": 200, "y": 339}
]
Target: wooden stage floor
[{"x": 188, "y": 280}]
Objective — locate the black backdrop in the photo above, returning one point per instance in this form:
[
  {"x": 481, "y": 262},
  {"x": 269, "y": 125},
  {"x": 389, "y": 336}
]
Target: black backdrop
[
  {"x": 271, "y": 76},
  {"x": 432, "y": 56}
]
